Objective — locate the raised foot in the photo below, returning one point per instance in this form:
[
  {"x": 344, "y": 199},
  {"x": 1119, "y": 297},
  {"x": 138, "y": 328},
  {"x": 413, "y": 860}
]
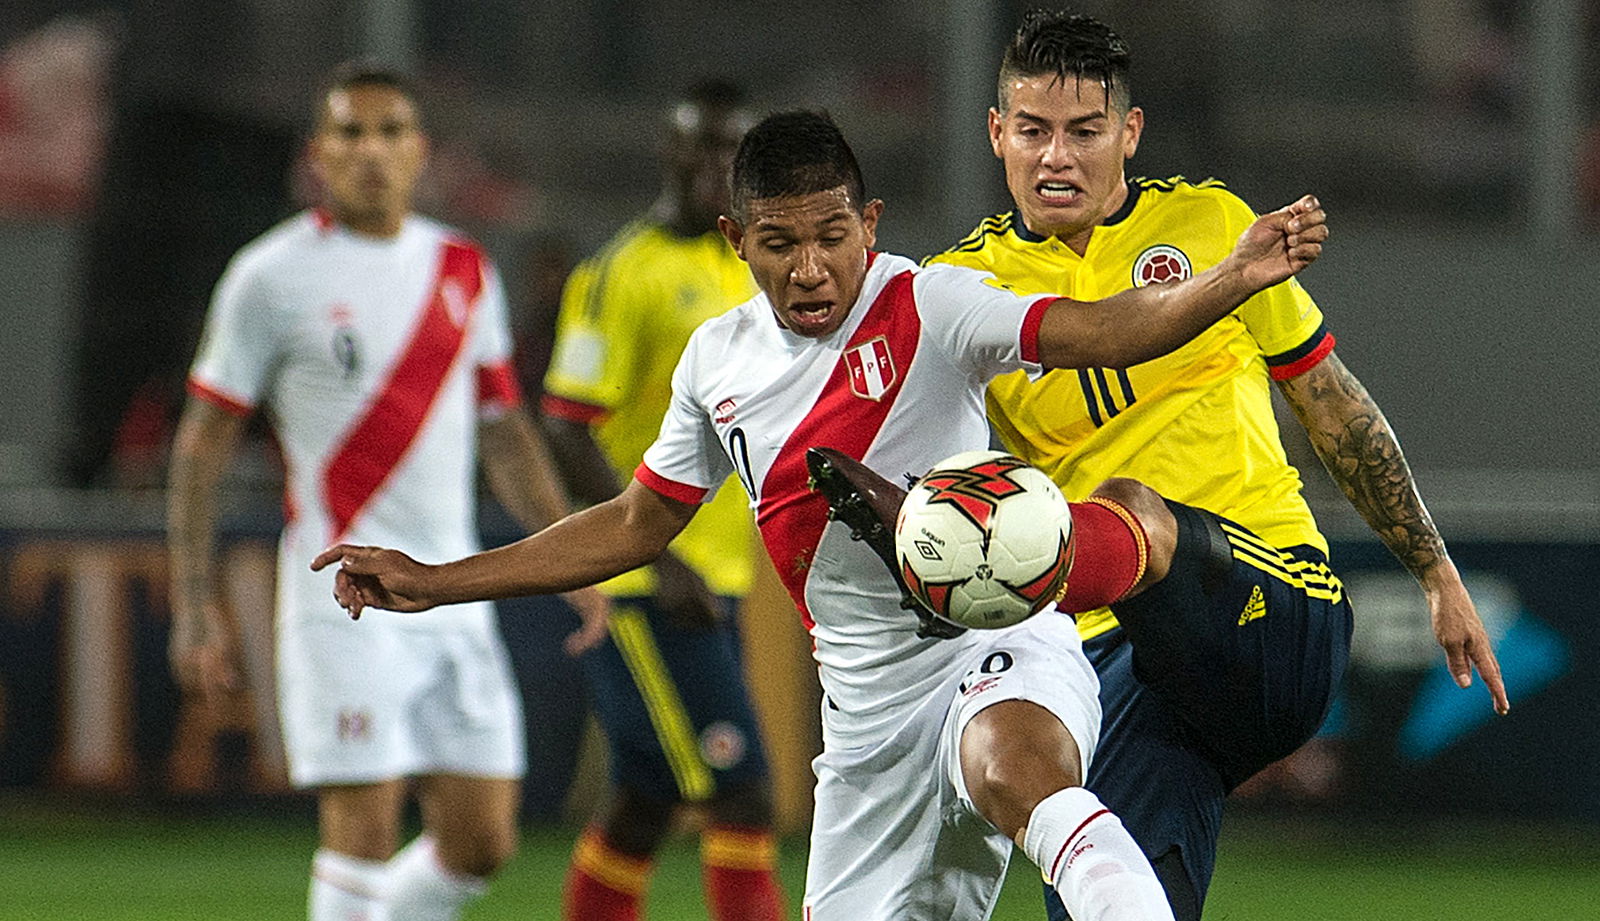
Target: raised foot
[{"x": 869, "y": 504}]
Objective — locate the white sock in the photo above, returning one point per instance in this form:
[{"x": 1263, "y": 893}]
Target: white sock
[
  {"x": 345, "y": 888},
  {"x": 1091, "y": 860},
  {"x": 421, "y": 889}
]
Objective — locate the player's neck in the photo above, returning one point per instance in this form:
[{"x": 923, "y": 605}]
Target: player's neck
[
  {"x": 1077, "y": 236},
  {"x": 670, "y": 212},
  {"x": 373, "y": 225}
]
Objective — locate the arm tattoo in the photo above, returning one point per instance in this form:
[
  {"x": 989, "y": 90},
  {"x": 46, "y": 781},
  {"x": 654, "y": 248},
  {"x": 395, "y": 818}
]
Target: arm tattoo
[{"x": 1360, "y": 450}]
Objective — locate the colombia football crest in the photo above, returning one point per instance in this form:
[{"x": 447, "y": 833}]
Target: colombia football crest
[
  {"x": 1160, "y": 264},
  {"x": 871, "y": 368}
]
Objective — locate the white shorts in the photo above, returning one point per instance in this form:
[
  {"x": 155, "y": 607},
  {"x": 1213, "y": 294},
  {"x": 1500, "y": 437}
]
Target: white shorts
[
  {"x": 894, "y": 833},
  {"x": 372, "y": 700}
]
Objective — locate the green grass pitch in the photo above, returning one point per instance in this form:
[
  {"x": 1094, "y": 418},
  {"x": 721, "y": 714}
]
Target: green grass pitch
[{"x": 112, "y": 864}]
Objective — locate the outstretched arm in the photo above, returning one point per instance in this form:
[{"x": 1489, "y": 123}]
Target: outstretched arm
[
  {"x": 1144, "y": 323},
  {"x": 1356, "y": 444},
  {"x": 593, "y": 545}
]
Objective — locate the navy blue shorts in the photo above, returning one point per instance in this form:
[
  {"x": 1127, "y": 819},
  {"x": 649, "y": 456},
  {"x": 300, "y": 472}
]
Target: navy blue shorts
[
  {"x": 673, "y": 706},
  {"x": 1226, "y": 665}
]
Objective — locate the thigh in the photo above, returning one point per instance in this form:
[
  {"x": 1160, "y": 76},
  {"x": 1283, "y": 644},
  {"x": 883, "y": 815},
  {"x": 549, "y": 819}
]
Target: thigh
[
  {"x": 899, "y": 837},
  {"x": 673, "y": 705},
  {"x": 468, "y": 721},
  {"x": 344, "y": 698},
  {"x": 361, "y": 820},
  {"x": 1244, "y": 641},
  {"x": 471, "y": 819},
  {"x": 890, "y": 841},
  {"x": 1040, "y": 661}
]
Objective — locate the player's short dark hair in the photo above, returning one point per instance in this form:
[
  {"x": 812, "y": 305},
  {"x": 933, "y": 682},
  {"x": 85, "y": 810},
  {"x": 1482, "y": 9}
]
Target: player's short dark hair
[
  {"x": 364, "y": 72},
  {"x": 794, "y": 153},
  {"x": 1070, "y": 46}
]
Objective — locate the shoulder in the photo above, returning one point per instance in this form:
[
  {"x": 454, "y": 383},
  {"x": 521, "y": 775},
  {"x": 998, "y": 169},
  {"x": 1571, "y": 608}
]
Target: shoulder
[
  {"x": 726, "y": 329},
  {"x": 955, "y": 276},
  {"x": 939, "y": 276},
  {"x": 280, "y": 249},
  {"x": 432, "y": 232},
  {"x": 635, "y": 245},
  {"x": 729, "y": 340},
  {"x": 978, "y": 246},
  {"x": 1206, "y": 196}
]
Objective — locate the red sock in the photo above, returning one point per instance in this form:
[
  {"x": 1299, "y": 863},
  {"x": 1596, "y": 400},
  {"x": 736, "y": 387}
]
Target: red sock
[
  {"x": 1109, "y": 556},
  {"x": 603, "y": 884},
  {"x": 739, "y": 867}
]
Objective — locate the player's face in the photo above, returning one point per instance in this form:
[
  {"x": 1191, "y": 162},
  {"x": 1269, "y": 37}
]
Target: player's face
[
  {"x": 808, "y": 254},
  {"x": 1063, "y": 144},
  {"x": 700, "y": 149},
  {"x": 368, "y": 151}
]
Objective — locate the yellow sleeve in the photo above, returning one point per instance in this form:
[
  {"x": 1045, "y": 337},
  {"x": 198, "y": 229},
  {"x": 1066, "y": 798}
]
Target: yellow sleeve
[
  {"x": 595, "y": 363},
  {"x": 1283, "y": 318}
]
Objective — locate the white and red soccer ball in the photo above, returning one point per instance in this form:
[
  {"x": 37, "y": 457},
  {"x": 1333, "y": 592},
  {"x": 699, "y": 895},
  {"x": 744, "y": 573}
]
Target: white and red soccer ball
[{"x": 984, "y": 539}]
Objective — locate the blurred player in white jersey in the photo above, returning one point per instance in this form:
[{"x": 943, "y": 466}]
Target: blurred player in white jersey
[
  {"x": 377, "y": 340},
  {"x": 938, "y": 753}
]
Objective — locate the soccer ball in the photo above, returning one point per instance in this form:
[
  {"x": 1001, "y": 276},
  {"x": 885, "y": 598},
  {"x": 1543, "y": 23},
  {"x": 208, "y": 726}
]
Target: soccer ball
[{"x": 984, "y": 539}]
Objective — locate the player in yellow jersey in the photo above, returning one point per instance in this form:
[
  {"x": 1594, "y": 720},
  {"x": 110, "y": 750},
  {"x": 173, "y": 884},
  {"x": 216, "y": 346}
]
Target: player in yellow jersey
[
  {"x": 667, "y": 686},
  {"x": 1219, "y": 672}
]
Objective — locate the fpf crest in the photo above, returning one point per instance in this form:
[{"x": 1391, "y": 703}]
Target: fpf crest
[{"x": 871, "y": 368}]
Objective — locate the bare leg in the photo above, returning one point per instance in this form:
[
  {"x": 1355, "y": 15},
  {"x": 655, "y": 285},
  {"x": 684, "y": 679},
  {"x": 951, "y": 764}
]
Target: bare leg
[{"x": 1023, "y": 772}]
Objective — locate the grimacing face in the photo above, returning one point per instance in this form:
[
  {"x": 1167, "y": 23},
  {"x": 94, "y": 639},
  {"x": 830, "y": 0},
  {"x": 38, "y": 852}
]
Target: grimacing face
[
  {"x": 1063, "y": 144},
  {"x": 368, "y": 151},
  {"x": 808, "y": 254}
]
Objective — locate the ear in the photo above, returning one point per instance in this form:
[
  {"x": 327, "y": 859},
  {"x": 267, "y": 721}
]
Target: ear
[
  {"x": 313, "y": 155},
  {"x": 869, "y": 221},
  {"x": 733, "y": 232},
  {"x": 1132, "y": 130},
  {"x": 995, "y": 124}
]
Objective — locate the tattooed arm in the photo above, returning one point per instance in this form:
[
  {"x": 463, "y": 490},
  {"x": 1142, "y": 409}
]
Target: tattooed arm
[
  {"x": 201, "y": 648},
  {"x": 1360, "y": 450}
]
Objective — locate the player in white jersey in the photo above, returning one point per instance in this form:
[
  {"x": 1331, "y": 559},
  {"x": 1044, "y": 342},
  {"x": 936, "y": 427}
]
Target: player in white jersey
[
  {"x": 938, "y": 754},
  {"x": 377, "y": 340}
]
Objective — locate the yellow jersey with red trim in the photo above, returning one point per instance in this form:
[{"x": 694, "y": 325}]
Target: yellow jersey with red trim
[
  {"x": 626, "y": 314},
  {"x": 1196, "y": 424}
]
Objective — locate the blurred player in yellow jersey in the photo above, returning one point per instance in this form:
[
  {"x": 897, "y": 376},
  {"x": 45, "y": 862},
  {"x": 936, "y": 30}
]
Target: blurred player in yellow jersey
[
  {"x": 668, "y": 688},
  {"x": 1206, "y": 681}
]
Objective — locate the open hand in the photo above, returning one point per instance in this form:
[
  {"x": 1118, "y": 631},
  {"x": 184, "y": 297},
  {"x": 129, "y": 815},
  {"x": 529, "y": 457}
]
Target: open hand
[
  {"x": 684, "y": 595},
  {"x": 375, "y": 577},
  {"x": 203, "y": 653},
  {"x": 1281, "y": 243},
  {"x": 594, "y": 610}
]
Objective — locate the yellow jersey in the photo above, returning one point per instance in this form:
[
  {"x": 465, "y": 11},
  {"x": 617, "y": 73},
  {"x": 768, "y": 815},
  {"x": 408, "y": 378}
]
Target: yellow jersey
[
  {"x": 1197, "y": 424},
  {"x": 626, "y": 314}
]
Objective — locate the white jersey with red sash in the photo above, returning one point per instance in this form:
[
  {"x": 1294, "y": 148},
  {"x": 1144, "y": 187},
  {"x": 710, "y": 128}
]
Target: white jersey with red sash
[
  {"x": 375, "y": 358},
  {"x": 900, "y": 385}
]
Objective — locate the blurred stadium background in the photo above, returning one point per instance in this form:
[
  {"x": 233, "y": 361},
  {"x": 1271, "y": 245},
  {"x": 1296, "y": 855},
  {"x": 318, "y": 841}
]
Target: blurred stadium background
[{"x": 1457, "y": 143}]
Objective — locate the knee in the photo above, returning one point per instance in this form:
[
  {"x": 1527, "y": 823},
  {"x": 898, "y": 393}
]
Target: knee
[
  {"x": 1155, "y": 519},
  {"x": 1006, "y": 789},
  {"x": 635, "y": 824},
  {"x": 1013, "y": 755},
  {"x": 481, "y": 853},
  {"x": 746, "y": 805},
  {"x": 362, "y": 826}
]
